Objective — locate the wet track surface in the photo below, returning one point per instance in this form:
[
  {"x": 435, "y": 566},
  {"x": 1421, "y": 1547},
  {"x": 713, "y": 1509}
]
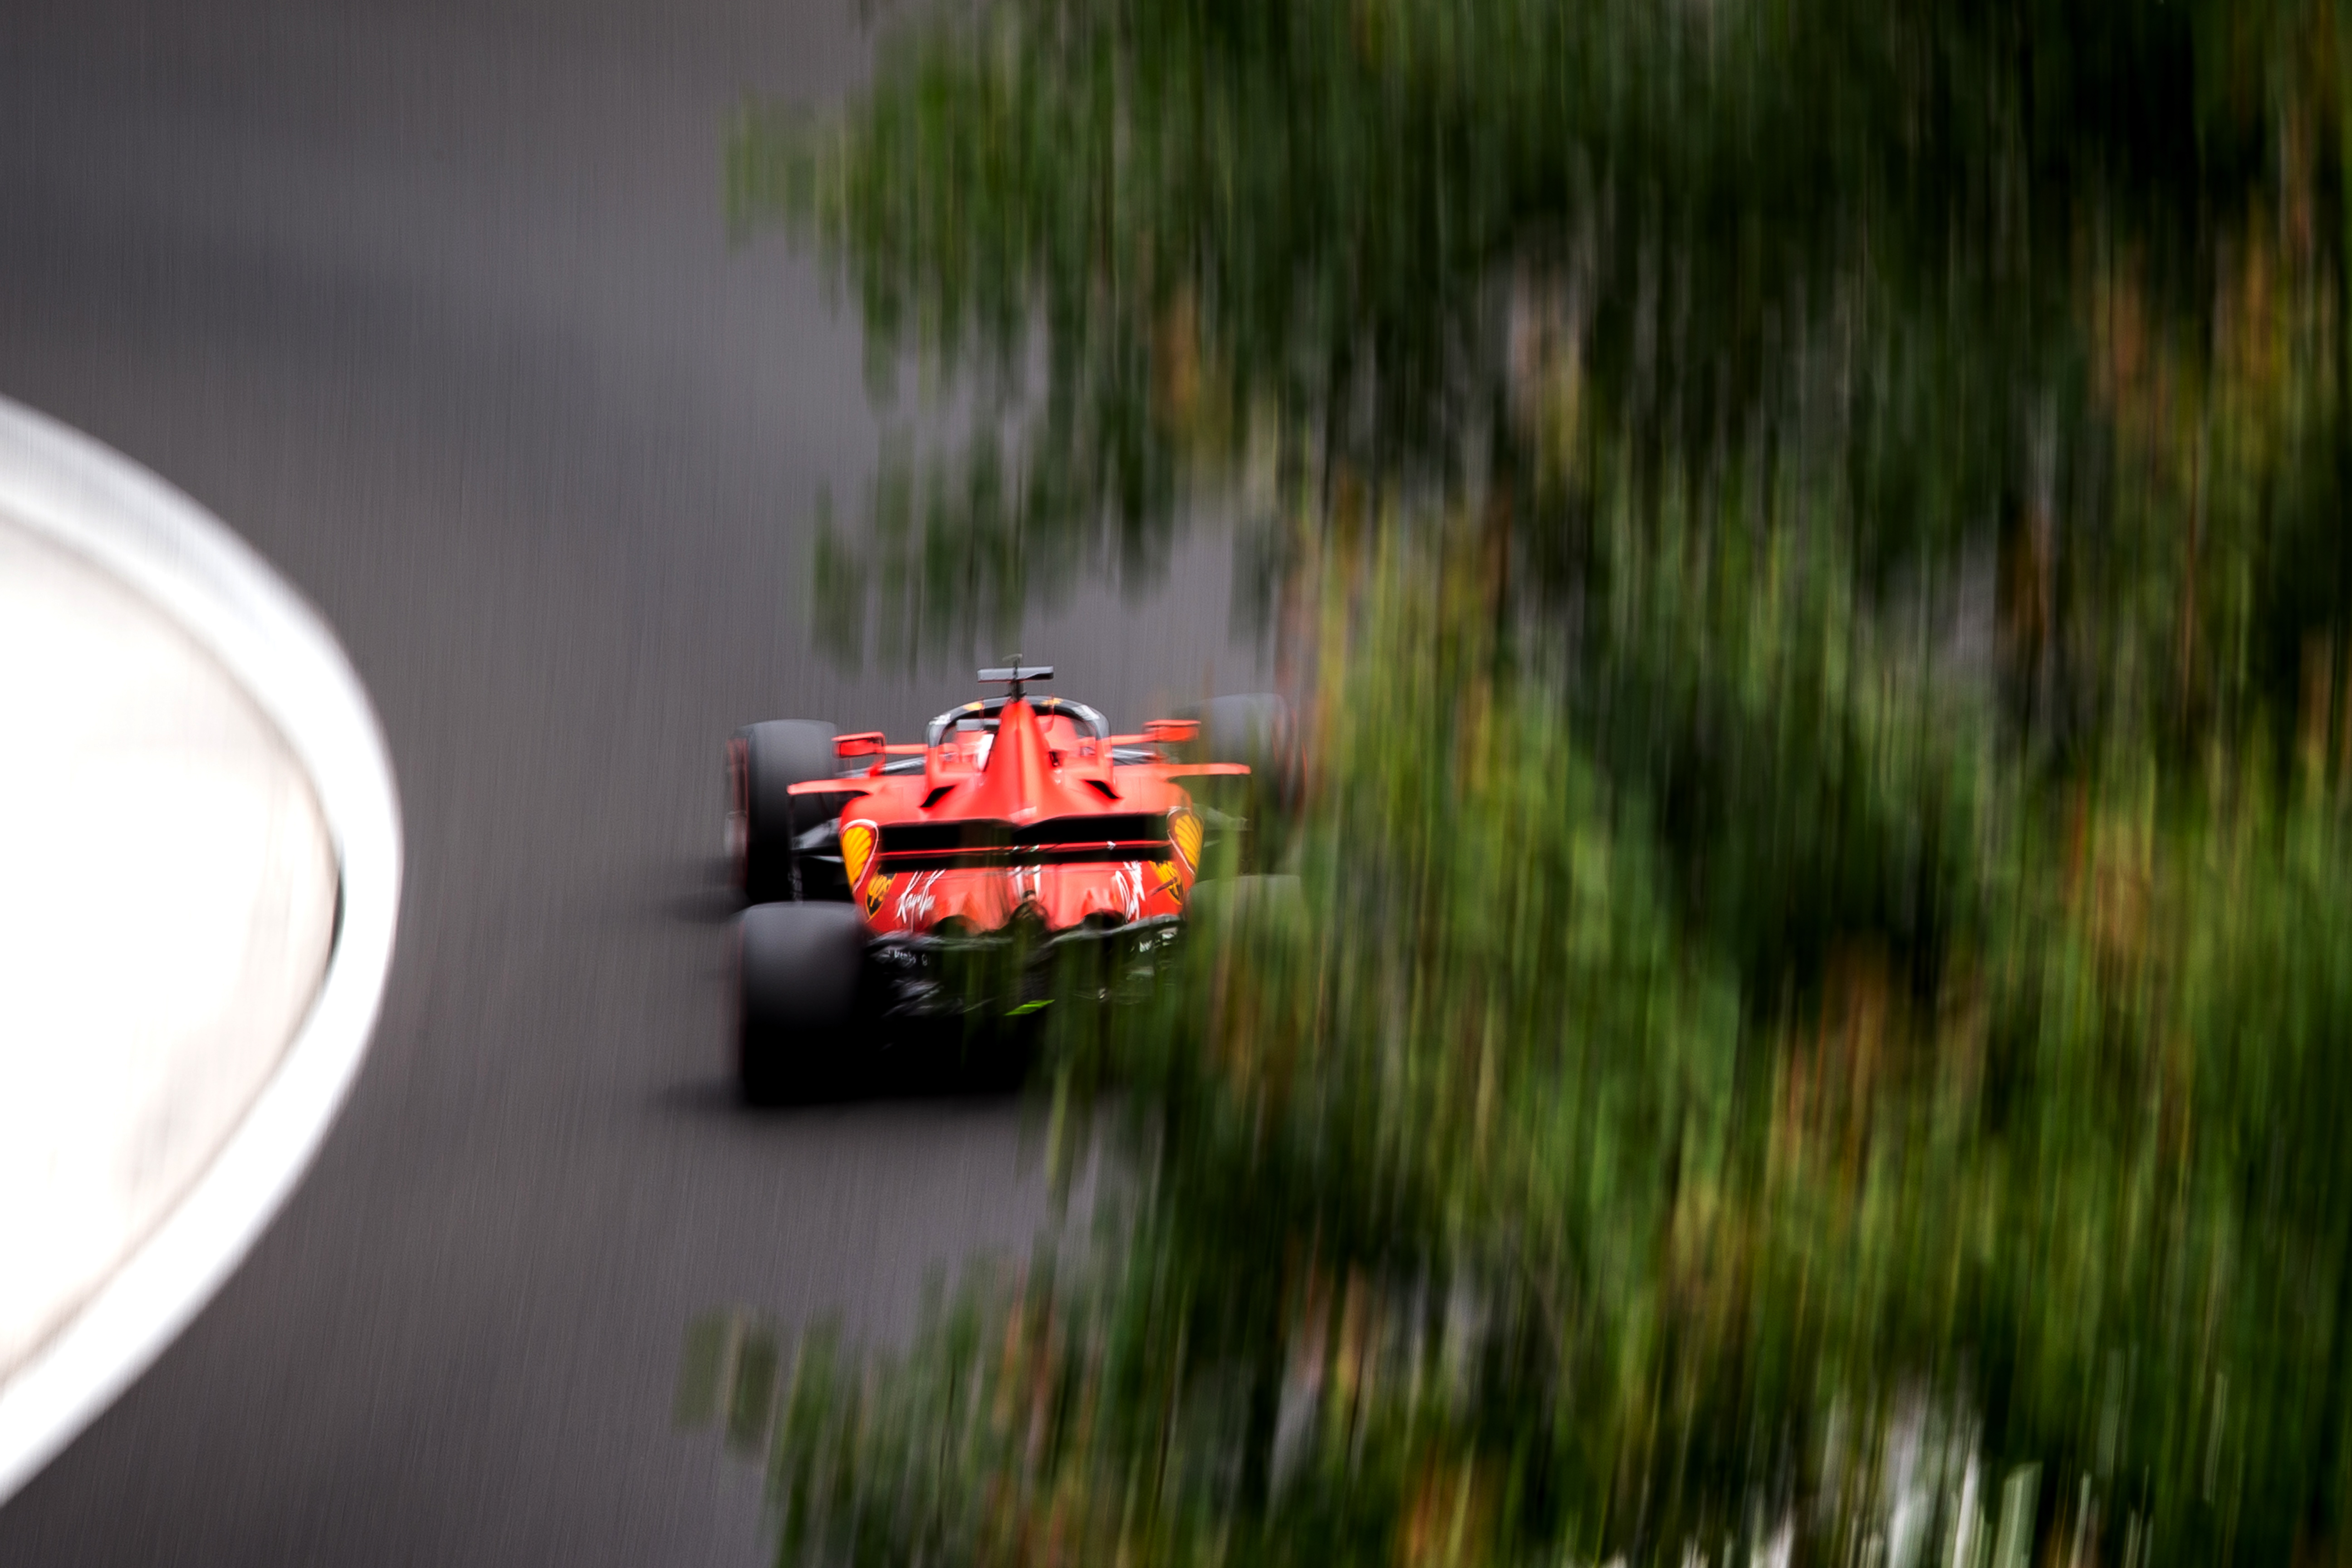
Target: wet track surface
[{"x": 435, "y": 304}]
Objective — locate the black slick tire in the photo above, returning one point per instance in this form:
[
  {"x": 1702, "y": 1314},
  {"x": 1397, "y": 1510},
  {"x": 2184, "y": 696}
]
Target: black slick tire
[
  {"x": 1242, "y": 904},
  {"x": 1258, "y": 731},
  {"x": 765, "y": 762},
  {"x": 801, "y": 970}
]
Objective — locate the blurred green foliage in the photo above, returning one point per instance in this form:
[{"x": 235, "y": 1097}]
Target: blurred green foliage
[{"x": 1811, "y": 536}]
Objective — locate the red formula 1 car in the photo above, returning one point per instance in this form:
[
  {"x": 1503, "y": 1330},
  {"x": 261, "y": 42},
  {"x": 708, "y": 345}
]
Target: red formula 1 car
[{"x": 933, "y": 881}]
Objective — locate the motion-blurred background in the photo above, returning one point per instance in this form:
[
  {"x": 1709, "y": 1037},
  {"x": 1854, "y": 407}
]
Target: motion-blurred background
[{"x": 1806, "y": 539}]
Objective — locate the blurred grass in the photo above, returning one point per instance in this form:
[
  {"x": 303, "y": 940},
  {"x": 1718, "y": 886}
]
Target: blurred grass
[{"x": 1811, "y": 538}]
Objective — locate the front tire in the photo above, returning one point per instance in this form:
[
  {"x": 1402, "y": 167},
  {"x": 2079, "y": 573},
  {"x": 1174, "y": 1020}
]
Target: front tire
[
  {"x": 1257, "y": 730},
  {"x": 801, "y": 969},
  {"x": 763, "y": 763}
]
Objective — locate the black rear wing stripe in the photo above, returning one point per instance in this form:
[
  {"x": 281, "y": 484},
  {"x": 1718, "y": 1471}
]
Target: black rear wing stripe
[
  {"x": 1053, "y": 833},
  {"x": 995, "y": 856}
]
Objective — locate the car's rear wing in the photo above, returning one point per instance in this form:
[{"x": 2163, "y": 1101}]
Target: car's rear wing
[{"x": 979, "y": 843}]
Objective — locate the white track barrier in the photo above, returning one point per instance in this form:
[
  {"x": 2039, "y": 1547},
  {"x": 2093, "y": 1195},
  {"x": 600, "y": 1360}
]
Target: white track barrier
[{"x": 194, "y": 945}]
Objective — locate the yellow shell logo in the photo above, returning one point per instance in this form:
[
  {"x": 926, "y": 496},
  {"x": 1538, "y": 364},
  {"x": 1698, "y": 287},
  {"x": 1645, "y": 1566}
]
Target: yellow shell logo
[
  {"x": 857, "y": 850},
  {"x": 1185, "y": 829}
]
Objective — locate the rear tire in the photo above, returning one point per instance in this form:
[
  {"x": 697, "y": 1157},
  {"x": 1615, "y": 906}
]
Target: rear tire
[
  {"x": 764, "y": 763},
  {"x": 1243, "y": 902},
  {"x": 800, "y": 972}
]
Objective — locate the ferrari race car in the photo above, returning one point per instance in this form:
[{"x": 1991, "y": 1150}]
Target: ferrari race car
[{"x": 940, "y": 881}]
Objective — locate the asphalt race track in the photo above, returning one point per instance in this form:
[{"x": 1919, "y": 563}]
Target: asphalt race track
[{"x": 435, "y": 304}]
